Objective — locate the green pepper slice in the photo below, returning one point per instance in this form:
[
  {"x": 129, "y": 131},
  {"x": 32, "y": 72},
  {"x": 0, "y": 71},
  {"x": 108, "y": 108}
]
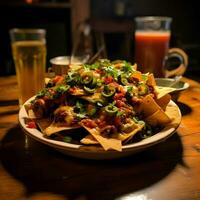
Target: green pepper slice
[
  {"x": 94, "y": 82},
  {"x": 108, "y": 91},
  {"x": 123, "y": 80},
  {"x": 89, "y": 90},
  {"x": 111, "y": 110},
  {"x": 86, "y": 78},
  {"x": 142, "y": 89}
]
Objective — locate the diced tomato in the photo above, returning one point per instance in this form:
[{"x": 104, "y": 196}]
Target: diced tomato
[
  {"x": 100, "y": 123},
  {"x": 58, "y": 79},
  {"x": 89, "y": 123},
  {"x": 31, "y": 124},
  {"x": 120, "y": 103},
  {"x": 45, "y": 98},
  {"x": 117, "y": 121},
  {"x": 99, "y": 71},
  {"x": 119, "y": 96},
  {"x": 41, "y": 101},
  {"x": 121, "y": 89},
  {"x": 72, "y": 90},
  {"x": 114, "y": 84},
  {"x": 108, "y": 79}
]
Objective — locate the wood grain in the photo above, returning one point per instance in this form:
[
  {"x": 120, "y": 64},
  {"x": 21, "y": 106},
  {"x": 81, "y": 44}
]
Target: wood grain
[{"x": 32, "y": 171}]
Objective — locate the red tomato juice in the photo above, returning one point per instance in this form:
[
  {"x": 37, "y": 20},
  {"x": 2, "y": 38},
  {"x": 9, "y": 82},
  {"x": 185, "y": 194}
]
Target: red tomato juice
[{"x": 150, "y": 51}]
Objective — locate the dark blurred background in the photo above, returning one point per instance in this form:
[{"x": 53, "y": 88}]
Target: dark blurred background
[{"x": 113, "y": 19}]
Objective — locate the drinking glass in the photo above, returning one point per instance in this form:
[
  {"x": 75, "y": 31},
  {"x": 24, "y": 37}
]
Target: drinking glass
[
  {"x": 152, "y": 37},
  {"x": 29, "y": 54}
]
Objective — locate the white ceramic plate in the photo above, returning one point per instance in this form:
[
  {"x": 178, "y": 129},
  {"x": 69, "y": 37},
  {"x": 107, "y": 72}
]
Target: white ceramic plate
[{"x": 93, "y": 152}]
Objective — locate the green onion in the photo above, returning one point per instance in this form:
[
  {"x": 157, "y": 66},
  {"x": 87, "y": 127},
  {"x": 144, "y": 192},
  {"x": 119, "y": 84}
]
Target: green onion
[
  {"x": 73, "y": 78},
  {"x": 62, "y": 88},
  {"x": 127, "y": 67}
]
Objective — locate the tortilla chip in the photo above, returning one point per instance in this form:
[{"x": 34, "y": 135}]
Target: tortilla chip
[
  {"x": 31, "y": 114},
  {"x": 158, "y": 118},
  {"x": 136, "y": 75},
  {"x": 125, "y": 136},
  {"x": 29, "y": 111},
  {"x": 134, "y": 66},
  {"x": 163, "y": 101},
  {"x": 43, "y": 123},
  {"x": 162, "y": 91},
  {"x": 89, "y": 139},
  {"x": 57, "y": 127},
  {"x": 151, "y": 80},
  {"x": 92, "y": 98},
  {"x": 78, "y": 92},
  {"x": 148, "y": 106},
  {"x": 106, "y": 143},
  {"x": 174, "y": 113}
]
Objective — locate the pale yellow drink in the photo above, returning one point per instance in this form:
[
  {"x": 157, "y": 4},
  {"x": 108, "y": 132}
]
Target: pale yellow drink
[{"x": 30, "y": 61}]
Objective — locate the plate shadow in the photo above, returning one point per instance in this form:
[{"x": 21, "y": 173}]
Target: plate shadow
[{"x": 42, "y": 169}]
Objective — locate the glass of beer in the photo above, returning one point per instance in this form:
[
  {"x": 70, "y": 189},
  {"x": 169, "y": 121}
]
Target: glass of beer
[{"x": 29, "y": 54}]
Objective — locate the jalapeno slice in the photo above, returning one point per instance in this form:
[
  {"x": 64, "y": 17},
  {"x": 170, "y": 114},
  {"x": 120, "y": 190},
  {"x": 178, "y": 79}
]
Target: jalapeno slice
[
  {"x": 89, "y": 90},
  {"x": 94, "y": 82},
  {"x": 111, "y": 110},
  {"x": 86, "y": 78},
  {"x": 142, "y": 89},
  {"x": 108, "y": 91},
  {"x": 123, "y": 80}
]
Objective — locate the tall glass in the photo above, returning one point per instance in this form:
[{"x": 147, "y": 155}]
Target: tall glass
[
  {"x": 29, "y": 54},
  {"x": 152, "y": 36}
]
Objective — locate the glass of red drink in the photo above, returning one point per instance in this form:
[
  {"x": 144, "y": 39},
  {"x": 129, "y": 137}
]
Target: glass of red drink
[{"x": 152, "y": 36}]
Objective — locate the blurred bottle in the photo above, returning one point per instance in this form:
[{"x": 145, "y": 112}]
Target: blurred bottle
[
  {"x": 119, "y": 8},
  {"x": 83, "y": 44}
]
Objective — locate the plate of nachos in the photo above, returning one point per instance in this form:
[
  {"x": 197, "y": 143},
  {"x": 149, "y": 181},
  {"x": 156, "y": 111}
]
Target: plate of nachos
[{"x": 103, "y": 110}]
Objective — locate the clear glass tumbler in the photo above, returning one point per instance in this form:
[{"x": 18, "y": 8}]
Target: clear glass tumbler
[{"x": 29, "y": 54}]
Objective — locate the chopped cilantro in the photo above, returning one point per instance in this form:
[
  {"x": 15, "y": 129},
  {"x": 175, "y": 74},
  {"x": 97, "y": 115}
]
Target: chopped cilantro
[
  {"x": 72, "y": 78},
  {"x": 110, "y": 70},
  {"x": 119, "y": 113},
  {"x": 62, "y": 88},
  {"x": 129, "y": 89},
  {"x": 80, "y": 116},
  {"x": 45, "y": 92},
  {"x": 80, "y": 108},
  {"x": 127, "y": 67},
  {"x": 144, "y": 77}
]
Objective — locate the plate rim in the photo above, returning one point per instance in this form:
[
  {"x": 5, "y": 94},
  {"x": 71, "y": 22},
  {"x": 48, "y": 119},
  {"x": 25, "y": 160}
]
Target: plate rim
[{"x": 165, "y": 133}]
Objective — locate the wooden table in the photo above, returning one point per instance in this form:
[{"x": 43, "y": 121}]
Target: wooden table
[{"x": 167, "y": 171}]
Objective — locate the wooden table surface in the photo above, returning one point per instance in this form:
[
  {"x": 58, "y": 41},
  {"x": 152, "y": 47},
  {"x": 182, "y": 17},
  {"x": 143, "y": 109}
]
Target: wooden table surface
[{"x": 167, "y": 171}]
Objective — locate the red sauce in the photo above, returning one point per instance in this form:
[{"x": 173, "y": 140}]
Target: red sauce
[{"x": 150, "y": 51}]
